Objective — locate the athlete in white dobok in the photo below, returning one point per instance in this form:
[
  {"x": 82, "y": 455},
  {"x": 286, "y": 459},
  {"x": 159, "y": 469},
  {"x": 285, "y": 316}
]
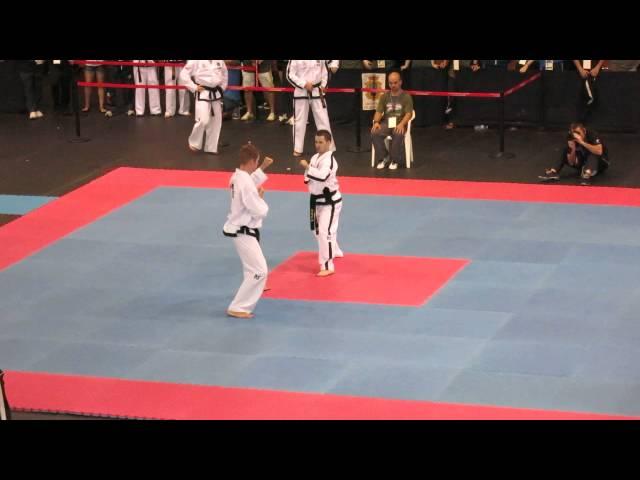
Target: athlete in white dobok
[
  {"x": 325, "y": 201},
  {"x": 146, "y": 76},
  {"x": 207, "y": 79},
  {"x": 244, "y": 221},
  {"x": 309, "y": 77}
]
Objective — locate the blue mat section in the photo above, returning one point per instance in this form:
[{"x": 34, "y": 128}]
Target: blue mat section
[
  {"x": 545, "y": 316},
  {"x": 21, "y": 204}
]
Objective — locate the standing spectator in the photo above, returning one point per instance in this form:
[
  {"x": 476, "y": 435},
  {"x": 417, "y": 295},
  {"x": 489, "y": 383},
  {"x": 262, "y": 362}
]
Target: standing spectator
[
  {"x": 623, "y": 65},
  {"x": 122, "y": 98},
  {"x": 497, "y": 64},
  {"x": 265, "y": 77},
  {"x": 207, "y": 79},
  {"x": 60, "y": 75},
  {"x": 231, "y": 99},
  {"x": 93, "y": 71},
  {"x": 588, "y": 71},
  {"x": 401, "y": 66},
  {"x": 31, "y": 73},
  {"x": 171, "y": 76},
  {"x": 453, "y": 68},
  {"x": 309, "y": 77},
  {"x": 525, "y": 65},
  {"x": 146, "y": 76},
  {"x": 285, "y": 103}
]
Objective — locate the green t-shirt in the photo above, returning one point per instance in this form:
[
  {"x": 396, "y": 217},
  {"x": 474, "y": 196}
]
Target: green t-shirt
[{"x": 395, "y": 106}]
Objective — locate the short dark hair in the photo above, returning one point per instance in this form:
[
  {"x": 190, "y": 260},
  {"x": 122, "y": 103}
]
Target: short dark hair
[
  {"x": 248, "y": 152},
  {"x": 324, "y": 133},
  {"x": 575, "y": 125}
]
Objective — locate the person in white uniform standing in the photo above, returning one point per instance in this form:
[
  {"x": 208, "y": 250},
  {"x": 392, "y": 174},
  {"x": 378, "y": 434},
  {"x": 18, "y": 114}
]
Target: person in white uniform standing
[
  {"x": 146, "y": 76},
  {"x": 208, "y": 79},
  {"x": 325, "y": 201},
  {"x": 243, "y": 224},
  {"x": 171, "y": 76},
  {"x": 309, "y": 77}
]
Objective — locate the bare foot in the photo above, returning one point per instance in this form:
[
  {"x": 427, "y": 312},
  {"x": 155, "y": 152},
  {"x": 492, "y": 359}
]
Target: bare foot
[
  {"x": 234, "y": 314},
  {"x": 325, "y": 273}
]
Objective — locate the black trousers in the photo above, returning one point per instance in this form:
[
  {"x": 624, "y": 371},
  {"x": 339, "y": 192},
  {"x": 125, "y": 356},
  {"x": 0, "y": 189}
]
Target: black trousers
[
  {"x": 60, "y": 76},
  {"x": 32, "y": 83},
  {"x": 123, "y": 97},
  {"x": 585, "y": 160}
]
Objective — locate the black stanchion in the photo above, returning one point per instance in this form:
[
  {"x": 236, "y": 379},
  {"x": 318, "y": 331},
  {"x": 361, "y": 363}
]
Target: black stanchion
[
  {"x": 76, "y": 110},
  {"x": 501, "y": 153},
  {"x": 356, "y": 109}
]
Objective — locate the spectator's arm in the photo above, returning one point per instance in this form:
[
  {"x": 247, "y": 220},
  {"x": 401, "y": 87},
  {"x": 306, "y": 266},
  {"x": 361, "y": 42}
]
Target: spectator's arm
[
  {"x": 405, "y": 120},
  {"x": 526, "y": 66},
  {"x": 377, "y": 117},
  {"x": 581, "y": 70},
  {"x": 596, "y": 70}
]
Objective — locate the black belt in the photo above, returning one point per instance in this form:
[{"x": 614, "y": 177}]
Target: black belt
[
  {"x": 215, "y": 90},
  {"x": 252, "y": 232},
  {"x": 324, "y": 104},
  {"x": 311, "y": 97},
  {"x": 326, "y": 195}
]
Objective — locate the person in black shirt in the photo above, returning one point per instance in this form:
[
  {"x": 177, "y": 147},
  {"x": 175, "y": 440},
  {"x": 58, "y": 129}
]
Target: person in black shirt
[
  {"x": 585, "y": 151},
  {"x": 60, "y": 78},
  {"x": 31, "y": 73},
  {"x": 589, "y": 96}
]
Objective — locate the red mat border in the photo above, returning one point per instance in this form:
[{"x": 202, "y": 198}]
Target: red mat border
[
  {"x": 105, "y": 396},
  {"x": 97, "y": 396}
]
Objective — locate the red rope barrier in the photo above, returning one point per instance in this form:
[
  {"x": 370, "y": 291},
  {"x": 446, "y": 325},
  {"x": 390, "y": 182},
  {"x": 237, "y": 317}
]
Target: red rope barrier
[
  {"x": 182, "y": 87},
  {"x": 438, "y": 94},
  {"x": 149, "y": 64},
  {"x": 130, "y": 85},
  {"x": 288, "y": 89},
  {"x": 328, "y": 90},
  {"x": 522, "y": 84}
]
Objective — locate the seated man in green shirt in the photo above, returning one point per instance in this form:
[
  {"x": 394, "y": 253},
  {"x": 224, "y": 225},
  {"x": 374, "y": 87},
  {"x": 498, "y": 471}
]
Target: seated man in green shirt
[{"x": 393, "y": 113}]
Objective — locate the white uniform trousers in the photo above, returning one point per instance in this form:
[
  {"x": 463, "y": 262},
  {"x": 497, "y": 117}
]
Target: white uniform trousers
[
  {"x": 170, "y": 95},
  {"x": 254, "y": 267},
  {"x": 207, "y": 123},
  {"x": 301, "y": 115},
  {"x": 147, "y": 76},
  {"x": 327, "y": 235}
]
